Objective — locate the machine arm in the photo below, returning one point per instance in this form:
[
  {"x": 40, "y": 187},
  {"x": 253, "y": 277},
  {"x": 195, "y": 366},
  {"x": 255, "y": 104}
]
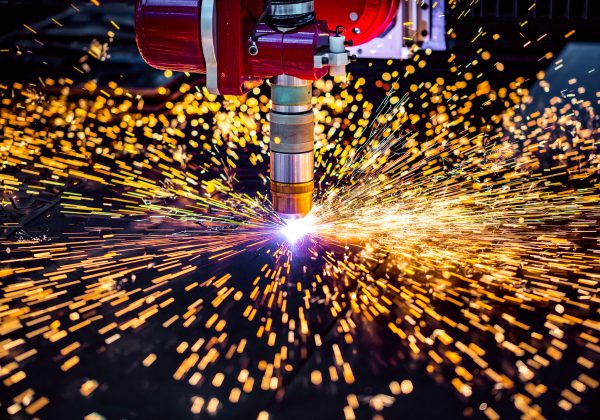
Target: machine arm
[{"x": 240, "y": 43}]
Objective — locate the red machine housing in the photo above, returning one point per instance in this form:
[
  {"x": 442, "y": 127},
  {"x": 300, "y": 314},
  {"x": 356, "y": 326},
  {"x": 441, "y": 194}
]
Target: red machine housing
[
  {"x": 168, "y": 34},
  {"x": 169, "y": 37},
  {"x": 362, "y": 19},
  {"x": 290, "y": 53}
]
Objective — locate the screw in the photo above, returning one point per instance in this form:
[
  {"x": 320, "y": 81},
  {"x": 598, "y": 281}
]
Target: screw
[{"x": 253, "y": 49}]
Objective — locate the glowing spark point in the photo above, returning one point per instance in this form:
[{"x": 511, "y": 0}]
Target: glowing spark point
[{"x": 295, "y": 229}]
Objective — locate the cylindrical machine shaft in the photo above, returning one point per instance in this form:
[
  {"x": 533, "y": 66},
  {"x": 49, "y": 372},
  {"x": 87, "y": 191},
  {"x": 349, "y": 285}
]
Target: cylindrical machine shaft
[
  {"x": 292, "y": 146},
  {"x": 288, "y": 14}
]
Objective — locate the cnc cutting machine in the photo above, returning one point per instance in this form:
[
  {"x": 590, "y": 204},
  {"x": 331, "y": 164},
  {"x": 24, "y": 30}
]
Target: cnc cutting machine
[{"x": 239, "y": 44}]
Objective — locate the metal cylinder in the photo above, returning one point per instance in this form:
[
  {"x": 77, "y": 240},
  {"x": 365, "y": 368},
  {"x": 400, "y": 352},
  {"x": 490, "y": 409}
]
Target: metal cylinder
[
  {"x": 168, "y": 34},
  {"x": 289, "y": 14},
  {"x": 337, "y": 45},
  {"x": 292, "y": 146}
]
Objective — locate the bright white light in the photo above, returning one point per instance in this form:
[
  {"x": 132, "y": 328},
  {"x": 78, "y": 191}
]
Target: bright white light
[{"x": 297, "y": 228}]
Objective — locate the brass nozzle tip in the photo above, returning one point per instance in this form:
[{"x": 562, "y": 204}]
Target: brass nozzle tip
[{"x": 292, "y": 201}]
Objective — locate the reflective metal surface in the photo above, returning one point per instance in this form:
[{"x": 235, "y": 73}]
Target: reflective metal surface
[
  {"x": 291, "y": 109},
  {"x": 292, "y": 168},
  {"x": 208, "y": 36},
  {"x": 292, "y": 146},
  {"x": 292, "y": 201},
  {"x": 292, "y": 9},
  {"x": 286, "y": 80}
]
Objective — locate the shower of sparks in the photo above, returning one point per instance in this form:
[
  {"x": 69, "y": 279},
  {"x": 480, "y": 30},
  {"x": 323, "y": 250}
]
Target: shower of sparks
[{"x": 442, "y": 245}]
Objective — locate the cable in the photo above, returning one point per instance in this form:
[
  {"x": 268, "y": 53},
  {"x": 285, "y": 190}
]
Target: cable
[{"x": 253, "y": 49}]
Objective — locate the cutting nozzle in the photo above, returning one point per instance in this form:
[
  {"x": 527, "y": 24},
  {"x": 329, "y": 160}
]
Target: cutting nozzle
[
  {"x": 292, "y": 201},
  {"x": 292, "y": 147}
]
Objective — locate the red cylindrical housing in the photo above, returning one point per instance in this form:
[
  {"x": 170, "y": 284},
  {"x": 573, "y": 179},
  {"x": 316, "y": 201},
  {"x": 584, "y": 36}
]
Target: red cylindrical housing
[
  {"x": 362, "y": 19},
  {"x": 168, "y": 34}
]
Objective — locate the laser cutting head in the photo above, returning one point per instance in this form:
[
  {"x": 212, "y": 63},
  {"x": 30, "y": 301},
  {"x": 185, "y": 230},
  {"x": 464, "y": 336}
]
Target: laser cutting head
[
  {"x": 292, "y": 146},
  {"x": 240, "y": 43}
]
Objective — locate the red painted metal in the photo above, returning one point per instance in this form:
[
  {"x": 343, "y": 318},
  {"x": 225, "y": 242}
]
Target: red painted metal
[
  {"x": 299, "y": 50},
  {"x": 168, "y": 34},
  {"x": 373, "y": 17},
  {"x": 235, "y": 23},
  {"x": 289, "y": 53}
]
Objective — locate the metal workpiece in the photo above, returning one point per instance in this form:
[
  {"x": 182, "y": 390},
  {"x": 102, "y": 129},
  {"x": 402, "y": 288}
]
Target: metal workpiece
[
  {"x": 287, "y": 80},
  {"x": 292, "y": 146}
]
